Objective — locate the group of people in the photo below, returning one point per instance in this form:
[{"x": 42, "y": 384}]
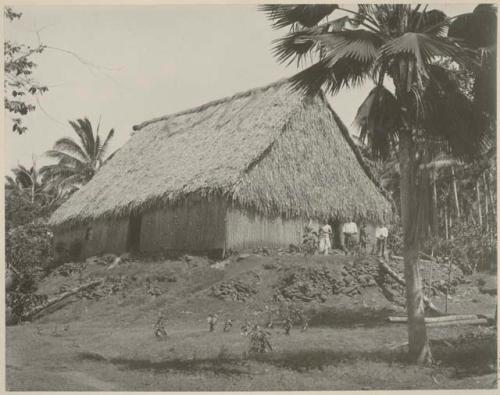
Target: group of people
[{"x": 350, "y": 234}]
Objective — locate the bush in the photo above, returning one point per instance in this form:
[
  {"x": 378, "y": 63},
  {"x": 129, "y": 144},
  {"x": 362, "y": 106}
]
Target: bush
[
  {"x": 28, "y": 251},
  {"x": 19, "y": 211},
  {"x": 22, "y": 299},
  {"x": 28, "y": 248},
  {"x": 471, "y": 249},
  {"x": 258, "y": 340}
]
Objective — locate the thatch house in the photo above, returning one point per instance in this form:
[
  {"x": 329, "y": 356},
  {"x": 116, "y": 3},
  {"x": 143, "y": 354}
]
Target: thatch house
[{"x": 234, "y": 174}]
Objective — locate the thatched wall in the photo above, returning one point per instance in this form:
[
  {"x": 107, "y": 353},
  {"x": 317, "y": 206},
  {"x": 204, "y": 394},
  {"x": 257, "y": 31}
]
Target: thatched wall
[
  {"x": 248, "y": 229},
  {"x": 99, "y": 237},
  {"x": 193, "y": 225}
]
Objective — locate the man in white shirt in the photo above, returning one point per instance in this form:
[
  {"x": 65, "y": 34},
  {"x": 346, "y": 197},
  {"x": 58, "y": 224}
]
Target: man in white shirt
[
  {"x": 350, "y": 230},
  {"x": 324, "y": 239},
  {"x": 381, "y": 234}
]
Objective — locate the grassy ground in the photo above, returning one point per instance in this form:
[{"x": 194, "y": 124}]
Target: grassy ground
[{"x": 109, "y": 344}]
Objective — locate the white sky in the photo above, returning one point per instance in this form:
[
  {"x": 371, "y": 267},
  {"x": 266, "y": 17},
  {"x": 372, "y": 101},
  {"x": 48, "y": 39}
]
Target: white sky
[{"x": 154, "y": 60}]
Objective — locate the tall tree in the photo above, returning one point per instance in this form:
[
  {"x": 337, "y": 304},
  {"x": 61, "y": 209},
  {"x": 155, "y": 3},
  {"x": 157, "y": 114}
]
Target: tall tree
[
  {"x": 77, "y": 160},
  {"x": 402, "y": 43}
]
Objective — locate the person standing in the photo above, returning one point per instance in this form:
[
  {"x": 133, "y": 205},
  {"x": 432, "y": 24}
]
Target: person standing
[
  {"x": 381, "y": 234},
  {"x": 350, "y": 231},
  {"x": 324, "y": 239}
]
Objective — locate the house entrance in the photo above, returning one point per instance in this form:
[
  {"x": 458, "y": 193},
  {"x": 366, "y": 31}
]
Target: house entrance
[{"x": 134, "y": 233}]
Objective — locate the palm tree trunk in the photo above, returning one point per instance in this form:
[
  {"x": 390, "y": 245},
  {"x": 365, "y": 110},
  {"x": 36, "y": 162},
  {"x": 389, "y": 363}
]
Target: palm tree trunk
[
  {"x": 446, "y": 220},
  {"x": 486, "y": 206},
  {"x": 479, "y": 213},
  {"x": 490, "y": 197},
  {"x": 33, "y": 192},
  {"x": 435, "y": 224},
  {"x": 455, "y": 192},
  {"x": 417, "y": 332}
]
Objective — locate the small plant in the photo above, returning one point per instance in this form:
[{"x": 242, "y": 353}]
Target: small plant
[
  {"x": 292, "y": 314},
  {"x": 288, "y": 325},
  {"x": 212, "y": 320},
  {"x": 245, "y": 328},
  {"x": 228, "y": 324},
  {"x": 159, "y": 327},
  {"x": 258, "y": 340}
]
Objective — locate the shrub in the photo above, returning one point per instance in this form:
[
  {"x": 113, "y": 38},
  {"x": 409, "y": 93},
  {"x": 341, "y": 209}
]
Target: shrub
[
  {"x": 258, "y": 340},
  {"x": 28, "y": 248},
  {"x": 28, "y": 251},
  {"x": 471, "y": 249},
  {"x": 19, "y": 211}
]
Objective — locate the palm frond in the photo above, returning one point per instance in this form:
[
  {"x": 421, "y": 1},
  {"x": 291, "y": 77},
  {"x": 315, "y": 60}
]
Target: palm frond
[
  {"x": 283, "y": 15},
  {"x": 450, "y": 117},
  {"x": 379, "y": 119},
  {"x": 359, "y": 45},
  {"x": 423, "y": 48},
  {"x": 71, "y": 146},
  {"x": 478, "y": 28},
  {"x": 64, "y": 156},
  {"x": 433, "y": 22},
  {"x": 104, "y": 147},
  {"x": 343, "y": 74},
  {"x": 86, "y": 126},
  {"x": 297, "y": 44}
]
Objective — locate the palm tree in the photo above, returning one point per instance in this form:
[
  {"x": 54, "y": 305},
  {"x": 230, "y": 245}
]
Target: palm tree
[
  {"x": 78, "y": 161},
  {"x": 401, "y": 43},
  {"x": 26, "y": 183}
]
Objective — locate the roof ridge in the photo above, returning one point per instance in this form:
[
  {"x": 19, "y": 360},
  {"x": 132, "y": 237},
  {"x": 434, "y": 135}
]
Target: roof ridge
[{"x": 212, "y": 103}]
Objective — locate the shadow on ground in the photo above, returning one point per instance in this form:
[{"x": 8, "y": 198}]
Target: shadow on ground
[
  {"x": 340, "y": 318},
  {"x": 223, "y": 366},
  {"x": 474, "y": 358}
]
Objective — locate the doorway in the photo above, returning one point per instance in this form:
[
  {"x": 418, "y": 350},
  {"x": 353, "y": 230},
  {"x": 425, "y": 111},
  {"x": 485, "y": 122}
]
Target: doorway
[{"x": 134, "y": 233}]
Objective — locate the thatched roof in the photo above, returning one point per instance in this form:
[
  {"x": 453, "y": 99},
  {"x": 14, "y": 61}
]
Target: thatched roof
[{"x": 268, "y": 148}]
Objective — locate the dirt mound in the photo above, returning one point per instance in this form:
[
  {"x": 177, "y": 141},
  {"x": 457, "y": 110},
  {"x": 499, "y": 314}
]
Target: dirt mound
[
  {"x": 191, "y": 287},
  {"x": 237, "y": 291},
  {"x": 360, "y": 276}
]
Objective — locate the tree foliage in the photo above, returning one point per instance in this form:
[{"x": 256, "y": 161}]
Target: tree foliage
[
  {"x": 427, "y": 113},
  {"x": 28, "y": 196},
  {"x": 20, "y": 87},
  {"x": 77, "y": 160}
]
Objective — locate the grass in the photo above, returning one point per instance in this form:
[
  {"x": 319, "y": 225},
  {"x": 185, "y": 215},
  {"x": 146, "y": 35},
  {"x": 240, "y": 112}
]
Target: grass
[{"x": 109, "y": 344}]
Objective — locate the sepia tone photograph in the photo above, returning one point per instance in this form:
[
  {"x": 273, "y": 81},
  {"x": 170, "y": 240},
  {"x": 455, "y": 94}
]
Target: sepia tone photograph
[{"x": 250, "y": 197}]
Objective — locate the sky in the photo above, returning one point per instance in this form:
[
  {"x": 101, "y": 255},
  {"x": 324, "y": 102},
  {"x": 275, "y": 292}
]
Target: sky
[{"x": 127, "y": 64}]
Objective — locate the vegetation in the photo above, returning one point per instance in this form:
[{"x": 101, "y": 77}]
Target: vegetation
[
  {"x": 19, "y": 85},
  {"x": 28, "y": 253},
  {"x": 401, "y": 43},
  {"x": 78, "y": 161},
  {"x": 32, "y": 195}
]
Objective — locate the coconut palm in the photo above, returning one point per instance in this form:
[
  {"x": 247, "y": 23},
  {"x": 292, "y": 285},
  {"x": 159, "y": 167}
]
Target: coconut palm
[
  {"x": 26, "y": 183},
  {"x": 78, "y": 160},
  {"x": 400, "y": 43}
]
